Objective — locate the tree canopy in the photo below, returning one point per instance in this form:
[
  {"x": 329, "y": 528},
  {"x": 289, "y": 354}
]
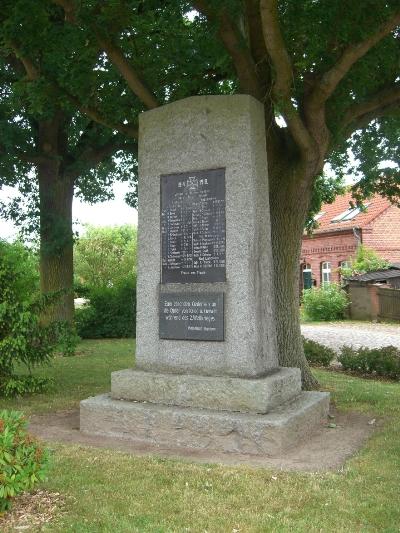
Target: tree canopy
[
  {"x": 325, "y": 70},
  {"x": 106, "y": 256}
]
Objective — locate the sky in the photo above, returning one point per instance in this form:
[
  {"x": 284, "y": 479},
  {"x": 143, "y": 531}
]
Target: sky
[{"x": 111, "y": 213}]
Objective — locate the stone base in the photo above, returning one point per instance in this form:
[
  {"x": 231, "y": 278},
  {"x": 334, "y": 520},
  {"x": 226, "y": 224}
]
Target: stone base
[
  {"x": 257, "y": 395},
  {"x": 204, "y": 429}
]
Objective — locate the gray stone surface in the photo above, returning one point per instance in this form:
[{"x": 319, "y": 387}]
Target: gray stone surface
[
  {"x": 219, "y": 397},
  {"x": 197, "y": 134},
  {"x": 204, "y": 429},
  {"x": 258, "y": 395}
]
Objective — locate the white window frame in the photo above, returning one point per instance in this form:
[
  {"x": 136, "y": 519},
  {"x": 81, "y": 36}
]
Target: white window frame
[{"x": 326, "y": 272}]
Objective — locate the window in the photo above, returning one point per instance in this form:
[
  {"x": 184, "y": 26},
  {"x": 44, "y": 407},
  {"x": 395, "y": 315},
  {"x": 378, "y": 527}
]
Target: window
[
  {"x": 319, "y": 215},
  {"x": 349, "y": 214},
  {"x": 326, "y": 272},
  {"x": 345, "y": 264},
  {"x": 307, "y": 276}
]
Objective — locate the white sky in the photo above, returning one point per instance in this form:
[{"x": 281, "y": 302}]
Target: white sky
[{"x": 112, "y": 213}]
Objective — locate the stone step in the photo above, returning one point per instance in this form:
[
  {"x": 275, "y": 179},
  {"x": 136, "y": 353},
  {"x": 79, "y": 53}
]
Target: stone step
[
  {"x": 254, "y": 395},
  {"x": 204, "y": 429}
]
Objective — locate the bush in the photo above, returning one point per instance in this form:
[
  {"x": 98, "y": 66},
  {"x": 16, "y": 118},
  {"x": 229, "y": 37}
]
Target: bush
[
  {"x": 19, "y": 385},
  {"x": 111, "y": 312},
  {"x": 328, "y": 302},
  {"x": 24, "y": 264},
  {"x": 366, "y": 260},
  {"x": 23, "y": 461},
  {"x": 317, "y": 354},
  {"x": 377, "y": 361},
  {"x": 105, "y": 256},
  {"x": 105, "y": 275},
  {"x": 23, "y": 338}
]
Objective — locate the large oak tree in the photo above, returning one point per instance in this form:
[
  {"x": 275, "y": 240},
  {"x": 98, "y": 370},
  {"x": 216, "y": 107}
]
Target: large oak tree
[
  {"x": 326, "y": 72},
  {"x": 48, "y": 148}
]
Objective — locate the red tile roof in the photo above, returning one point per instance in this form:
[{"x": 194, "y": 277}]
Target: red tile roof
[{"x": 377, "y": 205}]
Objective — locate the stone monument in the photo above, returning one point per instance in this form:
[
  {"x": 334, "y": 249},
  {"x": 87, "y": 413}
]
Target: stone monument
[{"x": 206, "y": 375}]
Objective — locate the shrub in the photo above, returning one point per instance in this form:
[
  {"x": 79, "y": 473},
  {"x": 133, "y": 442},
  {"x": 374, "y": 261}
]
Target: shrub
[
  {"x": 23, "y": 338},
  {"x": 377, "y": 361},
  {"x": 67, "y": 338},
  {"x": 317, "y": 354},
  {"x": 105, "y": 256},
  {"x": 328, "y": 302},
  {"x": 105, "y": 275},
  {"x": 19, "y": 385},
  {"x": 366, "y": 260},
  {"x": 111, "y": 312},
  {"x": 24, "y": 264},
  {"x": 23, "y": 461}
]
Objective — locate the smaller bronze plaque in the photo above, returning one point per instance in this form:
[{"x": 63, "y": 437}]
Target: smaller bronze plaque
[{"x": 191, "y": 316}]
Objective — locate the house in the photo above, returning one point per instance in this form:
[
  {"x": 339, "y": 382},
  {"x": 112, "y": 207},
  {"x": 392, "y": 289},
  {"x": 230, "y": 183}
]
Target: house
[{"x": 341, "y": 229}]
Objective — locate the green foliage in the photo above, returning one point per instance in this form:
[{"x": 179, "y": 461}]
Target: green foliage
[
  {"x": 328, "y": 302},
  {"x": 111, "y": 312},
  {"x": 105, "y": 256},
  {"x": 23, "y": 460},
  {"x": 67, "y": 338},
  {"x": 317, "y": 354},
  {"x": 325, "y": 190},
  {"x": 20, "y": 385},
  {"x": 105, "y": 269},
  {"x": 383, "y": 361},
  {"x": 23, "y": 338},
  {"x": 366, "y": 260},
  {"x": 23, "y": 262}
]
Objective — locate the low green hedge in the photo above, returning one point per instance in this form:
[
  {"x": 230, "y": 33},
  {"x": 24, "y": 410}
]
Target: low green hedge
[
  {"x": 383, "y": 362},
  {"x": 111, "y": 312},
  {"x": 317, "y": 354}
]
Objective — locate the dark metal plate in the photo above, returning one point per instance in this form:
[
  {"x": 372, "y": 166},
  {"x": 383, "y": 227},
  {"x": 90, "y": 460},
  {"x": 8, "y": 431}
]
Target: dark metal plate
[
  {"x": 191, "y": 316},
  {"x": 193, "y": 227}
]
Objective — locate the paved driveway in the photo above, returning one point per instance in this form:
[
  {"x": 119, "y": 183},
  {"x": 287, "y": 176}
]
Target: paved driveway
[{"x": 337, "y": 334}]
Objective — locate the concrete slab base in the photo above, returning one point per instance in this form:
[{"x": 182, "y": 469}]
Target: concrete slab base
[
  {"x": 256, "y": 395},
  {"x": 205, "y": 429}
]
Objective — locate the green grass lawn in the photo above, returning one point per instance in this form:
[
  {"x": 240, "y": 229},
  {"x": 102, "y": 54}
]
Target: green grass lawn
[
  {"x": 109, "y": 491},
  {"x": 76, "y": 378}
]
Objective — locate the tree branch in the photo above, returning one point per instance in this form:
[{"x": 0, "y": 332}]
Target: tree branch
[
  {"x": 34, "y": 158},
  {"x": 117, "y": 58},
  {"x": 127, "y": 71},
  {"x": 351, "y": 55},
  {"x": 282, "y": 87},
  {"x": 31, "y": 70},
  {"x": 91, "y": 157},
  {"x": 95, "y": 115},
  {"x": 69, "y": 9},
  {"x": 377, "y": 105},
  {"x": 236, "y": 47}
]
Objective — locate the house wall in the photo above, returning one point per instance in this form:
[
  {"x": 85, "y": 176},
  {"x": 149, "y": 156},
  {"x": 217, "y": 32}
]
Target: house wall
[
  {"x": 383, "y": 234},
  {"x": 334, "y": 248}
]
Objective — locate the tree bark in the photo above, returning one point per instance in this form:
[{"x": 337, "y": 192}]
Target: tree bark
[
  {"x": 289, "y": 203},
  {"x": 56, "y": 238}
]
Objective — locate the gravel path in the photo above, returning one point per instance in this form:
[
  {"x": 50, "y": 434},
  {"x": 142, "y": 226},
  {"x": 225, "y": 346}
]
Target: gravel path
[{"x": 337, "y": 334}]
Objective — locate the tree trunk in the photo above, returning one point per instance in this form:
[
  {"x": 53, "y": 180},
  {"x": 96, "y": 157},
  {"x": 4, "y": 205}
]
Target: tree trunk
[
  {"x": 289, "y": 206},
  {"x": 56, "y": 238}
]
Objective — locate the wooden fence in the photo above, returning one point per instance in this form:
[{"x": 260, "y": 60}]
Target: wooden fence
[{"x": 389, "y": 304}]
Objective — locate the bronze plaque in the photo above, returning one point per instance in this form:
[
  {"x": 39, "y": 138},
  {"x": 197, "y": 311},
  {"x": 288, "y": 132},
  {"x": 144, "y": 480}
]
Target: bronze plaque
[
  {"x": 191, "y": 316},
  {"x": 193, "y": 227}
]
